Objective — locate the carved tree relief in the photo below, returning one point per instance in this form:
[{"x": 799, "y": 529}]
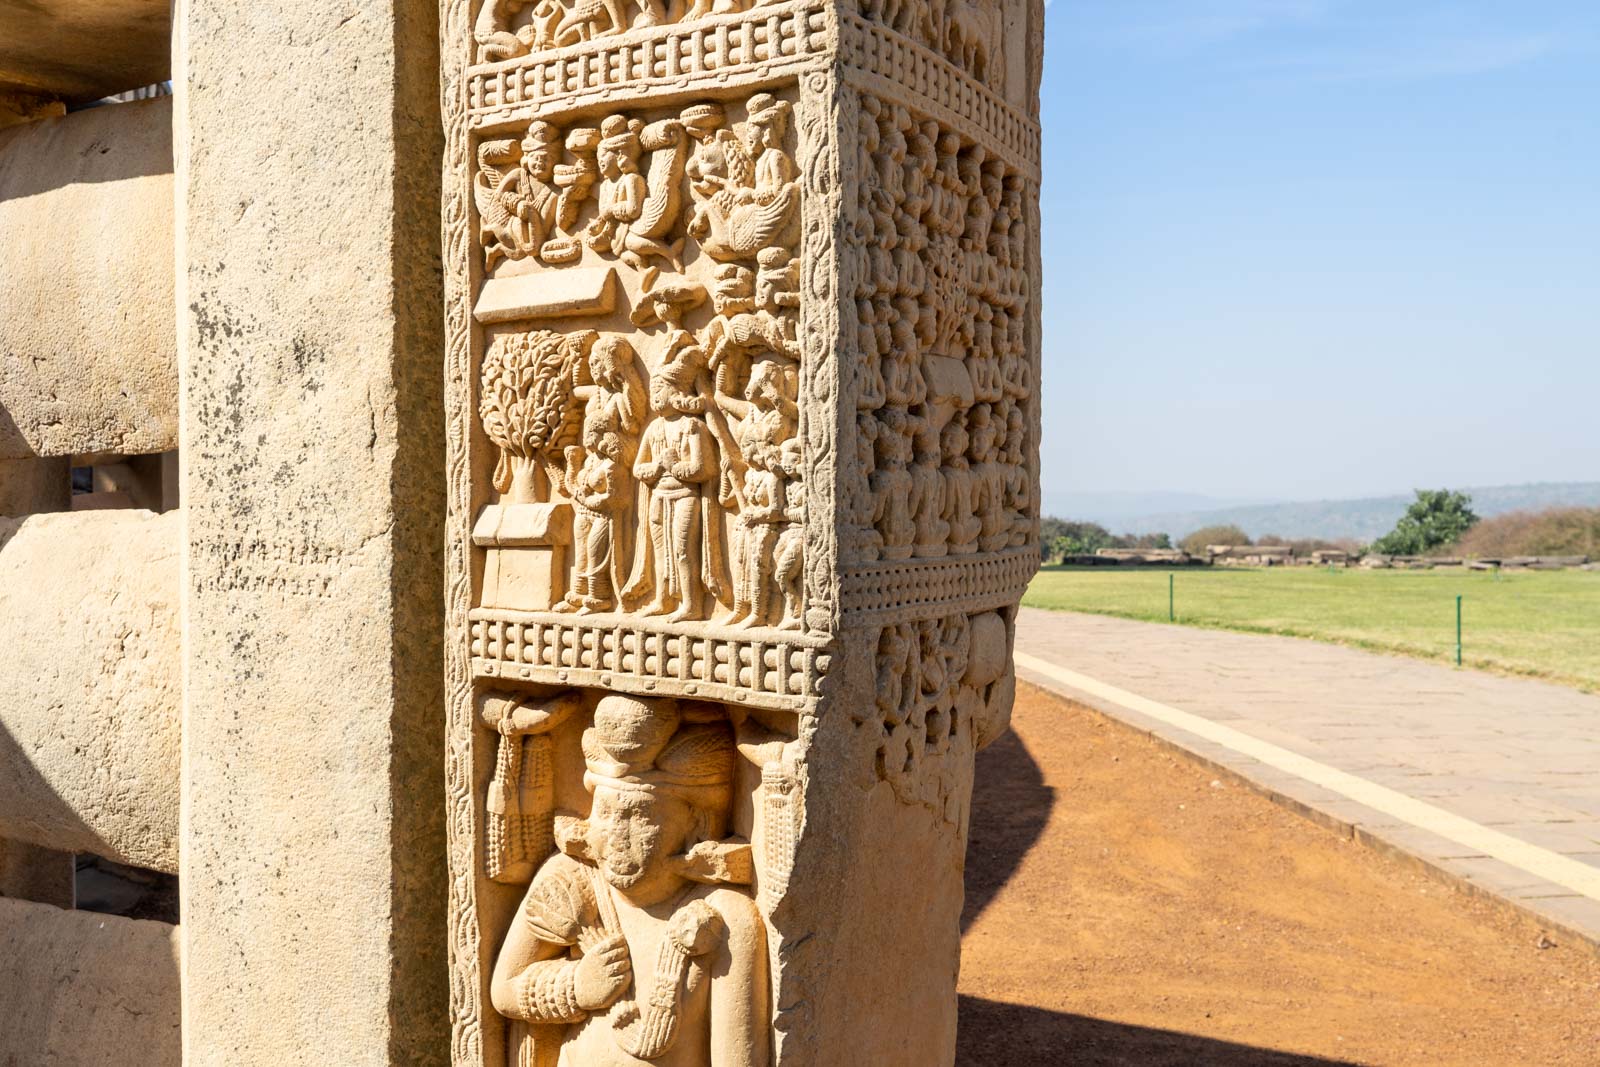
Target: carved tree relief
[
  {"x": 679, "y": 432},
  {"x": 742, "y": 454}
]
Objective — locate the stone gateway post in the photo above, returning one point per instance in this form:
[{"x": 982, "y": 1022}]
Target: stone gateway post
[{"x": 741, "y": 345}]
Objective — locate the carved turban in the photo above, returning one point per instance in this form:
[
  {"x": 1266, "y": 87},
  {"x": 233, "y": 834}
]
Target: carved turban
[
  {"x": 620, "y": 135},
  {"x": 765, "y": 108},
  {"x": 657, "y": 745}
]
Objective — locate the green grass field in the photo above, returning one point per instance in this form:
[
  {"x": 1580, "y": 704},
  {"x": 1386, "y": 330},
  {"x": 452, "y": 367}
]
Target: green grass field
[{"x": 1541, "y": 623}]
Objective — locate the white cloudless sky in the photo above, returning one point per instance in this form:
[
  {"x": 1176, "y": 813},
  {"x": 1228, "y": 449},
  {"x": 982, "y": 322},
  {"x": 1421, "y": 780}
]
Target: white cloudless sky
[{"x": 1320, "y": 248}]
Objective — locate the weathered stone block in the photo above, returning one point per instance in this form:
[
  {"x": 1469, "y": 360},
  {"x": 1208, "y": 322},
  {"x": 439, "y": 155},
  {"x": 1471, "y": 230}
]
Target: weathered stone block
[
  {"x": 80, "y": 989},
  {"x": 87, "y": 341},
  {"x": 313, "y": 887},
  {"x": 42, "y": 875},
  {"x": 34, "y": 485},
  {"x": 81, "y": 50},
  {"x": 89, "y": 727}
]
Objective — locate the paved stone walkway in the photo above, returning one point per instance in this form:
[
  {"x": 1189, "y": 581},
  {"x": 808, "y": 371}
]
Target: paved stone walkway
[{"x": 1494, "y": 782}]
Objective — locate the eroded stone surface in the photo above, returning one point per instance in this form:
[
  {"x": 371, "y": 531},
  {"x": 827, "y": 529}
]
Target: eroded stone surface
[
  {"x": 42, "y": 875},
  {"x": 81, "y": 989},
  {"x": 34, "y": 485},
  {"x": 81, "y": 50},
  {"x": 89, "y": 745},
  {"x": 312, "y": 884},
  {"x": 88, "y": 337},
  {"x": 742, "y": 331}
]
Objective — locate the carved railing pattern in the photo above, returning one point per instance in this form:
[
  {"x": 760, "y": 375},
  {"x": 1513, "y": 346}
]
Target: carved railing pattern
[
  {"x": 765, "y": 669},
  {"x": 912, "y": 74},
  {"x": 765, "y": 44},
  {"x": 917, "y": 588}
]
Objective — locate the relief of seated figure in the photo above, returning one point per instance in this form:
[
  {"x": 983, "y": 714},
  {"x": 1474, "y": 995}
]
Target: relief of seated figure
[{"x": 635, "y": 945}]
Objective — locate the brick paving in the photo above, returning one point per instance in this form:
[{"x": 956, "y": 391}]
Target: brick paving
[{"x": 1517, "y": 756}]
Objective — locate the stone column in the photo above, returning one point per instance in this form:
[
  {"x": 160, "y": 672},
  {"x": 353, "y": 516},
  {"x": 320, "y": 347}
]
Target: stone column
[
  {"x": 307, "y": 142},
  {"x": 742, "y": 335}
]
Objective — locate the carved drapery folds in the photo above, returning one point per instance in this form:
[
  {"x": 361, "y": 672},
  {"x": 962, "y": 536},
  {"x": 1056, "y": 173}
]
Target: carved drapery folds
[{"x": 741, "y": 352}]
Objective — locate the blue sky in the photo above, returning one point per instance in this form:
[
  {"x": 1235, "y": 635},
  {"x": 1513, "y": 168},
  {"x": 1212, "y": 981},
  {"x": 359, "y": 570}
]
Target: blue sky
[{"x": 1320, "y": 248}]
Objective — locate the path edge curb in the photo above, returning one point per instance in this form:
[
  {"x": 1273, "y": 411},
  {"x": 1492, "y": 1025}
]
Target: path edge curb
[{"x": 1524, "y": 912}]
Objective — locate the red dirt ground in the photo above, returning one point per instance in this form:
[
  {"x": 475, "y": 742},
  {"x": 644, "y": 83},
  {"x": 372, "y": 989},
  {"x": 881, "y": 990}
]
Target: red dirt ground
[{"x": 1123, "y": 907}]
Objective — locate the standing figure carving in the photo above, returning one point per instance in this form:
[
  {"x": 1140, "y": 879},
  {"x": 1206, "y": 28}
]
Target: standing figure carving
[
  {"x": 790, "y": 564},
  {"x": 676, "y": 460},
  {"x": 767, "y": 420},
  {"x": 959, "y": 492},
  {"x": 892, "y": 487},
  {"x": 989, "y": 481},
  {"x": 927, "y": 493},
  {"x": 638, "y": 941},
  {"x": 600, "y": 477}
]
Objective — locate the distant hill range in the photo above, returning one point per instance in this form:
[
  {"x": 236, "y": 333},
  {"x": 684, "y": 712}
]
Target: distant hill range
[{"x": 1364, "y": 519}]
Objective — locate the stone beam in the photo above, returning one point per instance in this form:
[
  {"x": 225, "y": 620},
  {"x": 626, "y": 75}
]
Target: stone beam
[
  {"x": 81, "y": 50},
  {"x": 43, "y": 875},
  {"x": 82, "y": 989},
  {"x": 89, "y": 726},
  {"x": 88, "y": 333},
  {"x": 32, "y": 486},
  {"x": 312, "y": 465}
]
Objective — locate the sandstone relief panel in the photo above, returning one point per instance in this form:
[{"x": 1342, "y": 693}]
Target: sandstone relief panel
[
  {"x": 638, "y": 647},
  {"x": 741, "y": 351},
  {"x": 939, "y": 495},
  {"x": 944, "y": 691},
  {"x": 627, "y": 826},
  {"x": 667, "y": 408}
]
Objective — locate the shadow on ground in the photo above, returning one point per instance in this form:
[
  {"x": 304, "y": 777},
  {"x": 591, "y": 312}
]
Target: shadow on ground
[
  {"x": 1011, "y": 1035},
  {"x": 1010, "y": 807}
]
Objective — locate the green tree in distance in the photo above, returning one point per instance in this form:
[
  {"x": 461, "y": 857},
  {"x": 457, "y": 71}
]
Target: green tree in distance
[
  {"x": 1149, "y": 540},
  {"x": 1437, "y": 517},
  {"x": 1195, "y": 544},
  {"x": 1080, "y": 539}
]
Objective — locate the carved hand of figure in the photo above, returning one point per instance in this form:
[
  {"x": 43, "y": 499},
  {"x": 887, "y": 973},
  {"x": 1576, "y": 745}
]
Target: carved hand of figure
[{"x": 602, "y": 975}]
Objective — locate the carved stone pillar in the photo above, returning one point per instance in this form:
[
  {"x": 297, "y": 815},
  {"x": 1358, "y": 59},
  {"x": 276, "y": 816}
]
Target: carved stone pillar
[{"x": 741, "y": 343}]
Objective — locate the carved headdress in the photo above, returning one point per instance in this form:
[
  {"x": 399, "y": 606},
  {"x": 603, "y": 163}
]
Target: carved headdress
[
  {"x": 764, "y": 109},
  {"x": 541, "y": 134},
  {"x": 662, "y": 746},
  {"x": 620, "y": 135}
]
